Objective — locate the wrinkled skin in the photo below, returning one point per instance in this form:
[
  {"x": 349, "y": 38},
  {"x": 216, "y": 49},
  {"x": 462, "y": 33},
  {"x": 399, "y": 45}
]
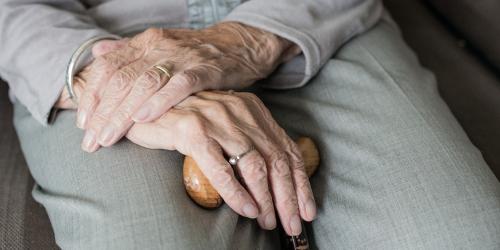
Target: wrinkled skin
[
  {"x": 208, "y": 125},
  {"x": 125, "y": 87}
]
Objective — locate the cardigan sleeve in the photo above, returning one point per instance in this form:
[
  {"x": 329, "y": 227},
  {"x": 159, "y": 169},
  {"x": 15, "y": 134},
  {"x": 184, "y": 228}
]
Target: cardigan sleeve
[
  {"x": 37, "y": 39},
  {"x": 318, "y": 27}
]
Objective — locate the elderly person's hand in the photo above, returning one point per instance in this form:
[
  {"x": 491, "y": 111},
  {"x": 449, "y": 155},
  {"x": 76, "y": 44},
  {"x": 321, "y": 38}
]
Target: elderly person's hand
[
  {"x": 80, "y": 80},
  {"x": 126, "y": 86},
  {"x": 208, "y": 125}
]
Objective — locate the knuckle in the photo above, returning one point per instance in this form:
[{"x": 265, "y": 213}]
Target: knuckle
[
  {"x": 122, "y": 79},
  {"x": 248, "y": 95},
  {"x": 295, "y": 156},
  {"x": 236, "y": 101},
  {"x": 112, "y": 100},
  {"x": 211, "y": 50},
  {"x": 256, "y": 169},
  {"x": 267, "y": 206},
  {"x": 107, "y": 63},
  {"x": 196, "y": 121},
  {"x": 166, "y": 93},
  {"x": 193, "y": 124},
  {"x": 152, "y": 33},
  {"x": 188, "y": 79},
  {"x": 280, "y": 165},
  {"x": 120, "y": 117},
  {"x": 215, "y": 107},
  {"x": 189, "y": 100},
  {"x": 223, "y": 177},
  {"x": 195, "y": 52},
  {"x": 302, "y": 182},
  {"x": 257, "y": 175},
  {"x": 290, "y": 204},
  {"x": 149, "y": 80},
  {"x": 128, "y": 107},
  {"x": 236, "y": 196},
  {"x": 98, "y": 119},
  {"x": 297, "y": 161}
]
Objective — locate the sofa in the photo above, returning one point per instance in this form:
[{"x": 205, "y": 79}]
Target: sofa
[{"x": 443, "y": 33}]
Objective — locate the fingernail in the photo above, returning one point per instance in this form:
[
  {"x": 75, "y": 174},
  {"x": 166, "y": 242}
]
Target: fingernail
[
  {"x": 88, "y": 141},
  {"x": 106, "y": 135},
  {"x": 270, "y": 221},
  {"x": 295, "y": 225},
  {"x": 81, "y": 119},
  {"x": 311, "y": 209},
  {"x": 93, "y": 148},
  {"x": 142, "y": 114},
  {"x": 250, "y": 211}
]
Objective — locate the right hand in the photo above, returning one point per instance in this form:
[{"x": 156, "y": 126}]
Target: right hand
[
  {"x": 126, "y": 87},
  {"x": 208, "y": 125}
]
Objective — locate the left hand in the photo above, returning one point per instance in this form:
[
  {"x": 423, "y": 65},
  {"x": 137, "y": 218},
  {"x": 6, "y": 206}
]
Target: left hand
[
  {"x": 211, "y": 124},
  {"x": 228, "y": 55},
  {"x": 98, "y": 49}
]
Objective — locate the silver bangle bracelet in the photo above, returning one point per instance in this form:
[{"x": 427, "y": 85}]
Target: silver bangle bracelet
[{"x": 73, "y": 62}]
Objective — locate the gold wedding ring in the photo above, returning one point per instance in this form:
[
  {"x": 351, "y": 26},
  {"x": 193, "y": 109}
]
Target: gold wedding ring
[{"x": 164, "y": 69}]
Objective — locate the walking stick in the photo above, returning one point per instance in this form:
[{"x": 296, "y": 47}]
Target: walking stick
[{"x": 203, "y": 193}]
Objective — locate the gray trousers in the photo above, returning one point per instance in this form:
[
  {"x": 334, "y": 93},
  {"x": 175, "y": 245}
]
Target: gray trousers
[{"x": 397, "y": 172}]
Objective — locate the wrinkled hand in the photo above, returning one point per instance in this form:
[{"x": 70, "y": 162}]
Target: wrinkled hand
[
  {"x": 208, "y": 125},
  {"x": 98, "y": 49},
  {"x": 125, "y": 87}
]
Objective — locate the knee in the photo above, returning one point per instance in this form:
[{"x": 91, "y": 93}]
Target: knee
[{"x": 127, "y": 197}]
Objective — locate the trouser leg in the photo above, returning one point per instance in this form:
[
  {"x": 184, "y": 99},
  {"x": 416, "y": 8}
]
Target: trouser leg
[
  {"x": 123, "y": 197},
  {"x": 397, "y": 169}
]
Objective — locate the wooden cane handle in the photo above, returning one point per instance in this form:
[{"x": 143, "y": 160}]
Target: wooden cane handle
[{"x": 203, "y": 193}]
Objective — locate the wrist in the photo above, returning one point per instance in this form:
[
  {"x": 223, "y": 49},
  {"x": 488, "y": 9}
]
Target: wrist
[
  {"x": 276, "y": 48},
  {"x": 264, "y": 48},
  {"x": 290, "y": 51}
]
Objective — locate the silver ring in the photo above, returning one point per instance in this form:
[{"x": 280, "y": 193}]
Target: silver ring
[
  {"x": 233, "y": 160},
  {"x": 73, "y": 62}
]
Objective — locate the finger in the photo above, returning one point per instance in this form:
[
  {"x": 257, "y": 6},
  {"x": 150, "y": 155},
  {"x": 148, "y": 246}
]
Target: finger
[
  {"x": 276, "y": 158},
  {"x": 209, "y": 157},
  {"x": 100, "y": 72},
  {"x": 180, "y": 86},
  {"x": 145, "y": 86},
  {"x": 158, "y": 134},
  {"x": 307, "y": 205},
  {"x": 114, "y": 93},
  {"x": 283, "y": 191},
  {"x": 89, "y": 143},
  {"x": 105, "y": 46},
  {"x": 252, "y": 170},
  {"x": 281, "y": 169}
]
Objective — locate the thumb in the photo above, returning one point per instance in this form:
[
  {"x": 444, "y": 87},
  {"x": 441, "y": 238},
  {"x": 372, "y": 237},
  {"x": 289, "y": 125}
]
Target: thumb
[{"x": 105, "y": 46}]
